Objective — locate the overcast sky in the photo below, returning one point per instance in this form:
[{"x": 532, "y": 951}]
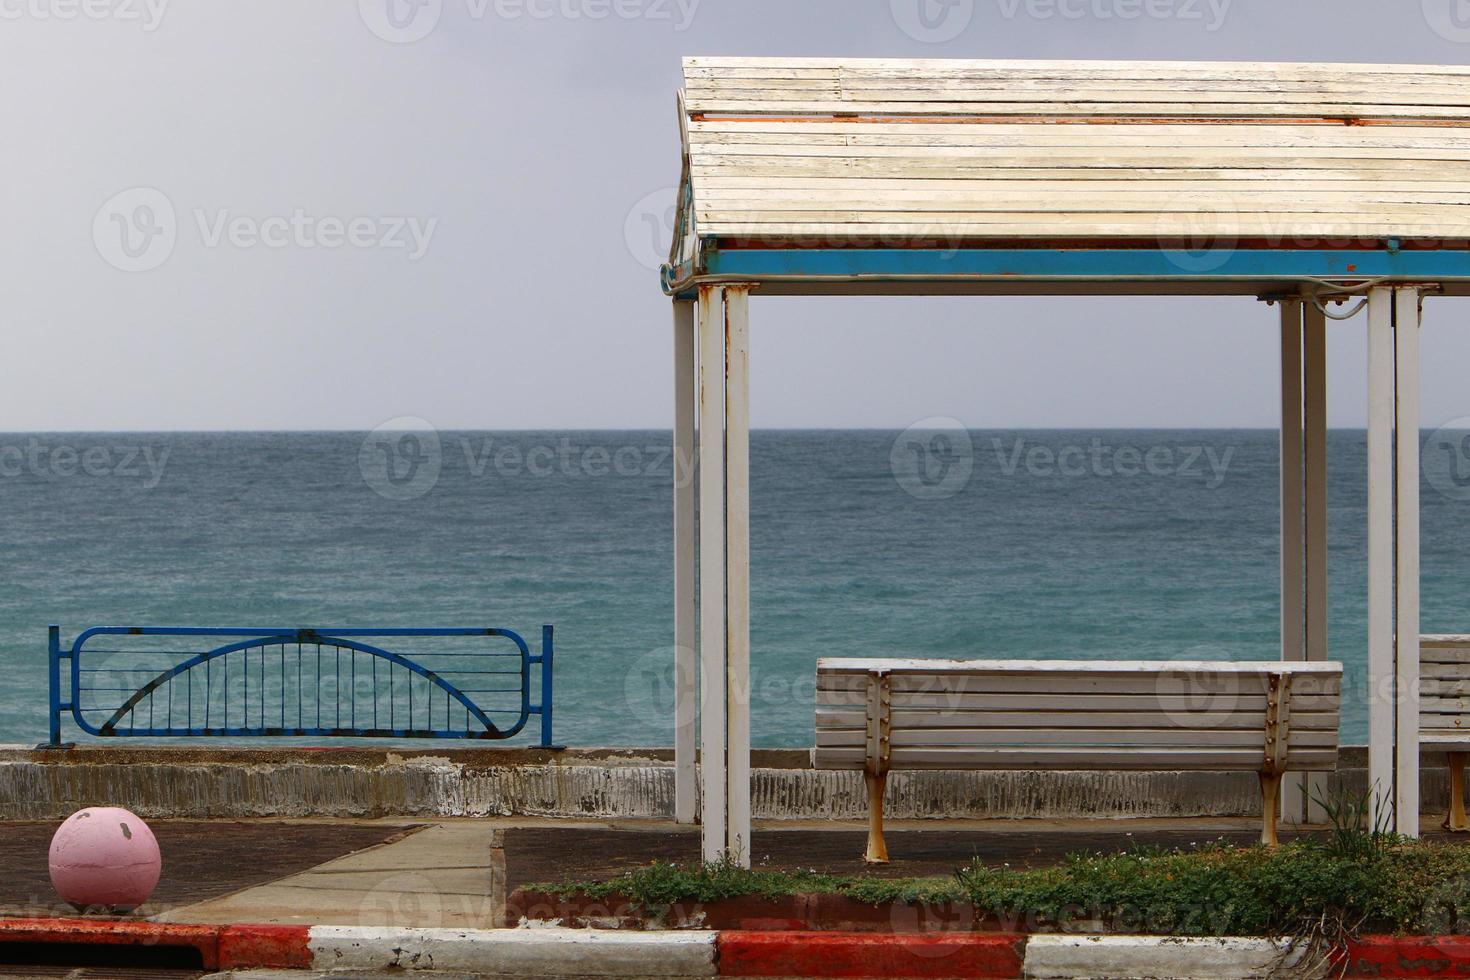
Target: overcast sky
[{"x": 462, "y": 227}]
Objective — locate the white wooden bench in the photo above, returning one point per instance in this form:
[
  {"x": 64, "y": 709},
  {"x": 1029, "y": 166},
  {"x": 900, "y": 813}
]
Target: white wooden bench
[
  {"x": 882, "y": 715},
  {"x": 1444, "y": 712}
]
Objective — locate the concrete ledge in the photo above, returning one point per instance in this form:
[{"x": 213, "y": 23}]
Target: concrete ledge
[
  {"x": 516, "y": 952},
  {"x": 590, "y": 783}
]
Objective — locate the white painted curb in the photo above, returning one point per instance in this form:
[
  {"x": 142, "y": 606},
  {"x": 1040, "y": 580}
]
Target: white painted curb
[
  {"x": 516, "y": 952},
  {"x": 1151, "y": 958}
]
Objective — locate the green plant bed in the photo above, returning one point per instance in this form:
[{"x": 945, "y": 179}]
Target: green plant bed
[{"x": 1317, "y": 888}]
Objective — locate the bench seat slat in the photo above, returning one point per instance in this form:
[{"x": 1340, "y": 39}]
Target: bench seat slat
[
  {"x": 1069, "y": 684},
  {"x": 1439, "y": 741},
  {"x": 952, "y": 701},
  {"x": 855, "y": 718},
  {"x": 1111, "y": 737},
  {"x": 1093, "y": 758},
  {"x": 896, "y": 666}
]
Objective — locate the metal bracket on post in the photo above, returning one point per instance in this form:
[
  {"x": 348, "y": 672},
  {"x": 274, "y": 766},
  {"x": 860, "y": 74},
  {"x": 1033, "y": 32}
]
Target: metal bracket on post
[
  {"x": 1277, "y": 745},
  {"x": 878, "y": 752}
]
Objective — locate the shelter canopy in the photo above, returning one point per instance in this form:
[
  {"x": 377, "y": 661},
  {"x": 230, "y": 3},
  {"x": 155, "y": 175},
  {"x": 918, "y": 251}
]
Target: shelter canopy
[{"x": 820, "y": 170}]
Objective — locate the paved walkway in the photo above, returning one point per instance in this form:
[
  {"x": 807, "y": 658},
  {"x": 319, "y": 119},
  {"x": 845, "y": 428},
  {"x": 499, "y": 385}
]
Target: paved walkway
[{"x": 450, "y": 875}]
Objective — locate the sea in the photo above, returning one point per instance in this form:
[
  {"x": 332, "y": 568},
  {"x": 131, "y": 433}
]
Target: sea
[{"x": 932, "y": 542}]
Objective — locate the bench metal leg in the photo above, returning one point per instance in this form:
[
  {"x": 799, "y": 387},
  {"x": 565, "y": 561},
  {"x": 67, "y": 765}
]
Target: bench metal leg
[
  {"x": 877, "y": 850},
  {"x": 1270, "y": 796},
  {"x": 1456, "y": 822}
]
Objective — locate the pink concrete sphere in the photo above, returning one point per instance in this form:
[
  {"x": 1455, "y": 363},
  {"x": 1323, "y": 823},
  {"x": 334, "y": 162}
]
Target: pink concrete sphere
[{"x": 104, "y": 855}]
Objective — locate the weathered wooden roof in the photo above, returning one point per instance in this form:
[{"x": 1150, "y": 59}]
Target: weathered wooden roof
[{"x": 837, "y": 153}]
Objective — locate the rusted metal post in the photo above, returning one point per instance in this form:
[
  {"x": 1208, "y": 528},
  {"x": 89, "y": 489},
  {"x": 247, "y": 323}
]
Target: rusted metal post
[{"x": 878, "y": 751}]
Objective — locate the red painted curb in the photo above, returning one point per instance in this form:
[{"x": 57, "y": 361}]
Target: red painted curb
[
  {"x": 114, "y": 933},
  {"x": 850, "y": 955},
  {"x": 1409, "y": 956},
  {"x": 264, "y": 947},
  {"x": 220, "y": 947}
]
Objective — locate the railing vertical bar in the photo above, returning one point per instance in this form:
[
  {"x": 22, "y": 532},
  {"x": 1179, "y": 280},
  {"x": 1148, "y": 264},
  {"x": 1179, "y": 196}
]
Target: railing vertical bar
[
  {"x": 547, "y": 674},
  {"x": 53, "y": 667}
]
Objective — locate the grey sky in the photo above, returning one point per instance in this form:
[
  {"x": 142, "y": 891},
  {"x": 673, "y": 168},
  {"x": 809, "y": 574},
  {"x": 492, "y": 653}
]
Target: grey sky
[{"x": 521, "y": 144}]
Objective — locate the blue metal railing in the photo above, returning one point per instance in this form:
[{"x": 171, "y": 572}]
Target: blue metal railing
[{"x": 174, "y": 682}]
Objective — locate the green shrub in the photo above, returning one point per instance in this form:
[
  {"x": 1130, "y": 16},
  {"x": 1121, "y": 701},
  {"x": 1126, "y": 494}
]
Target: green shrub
[{"x": 1303, "y": 887}]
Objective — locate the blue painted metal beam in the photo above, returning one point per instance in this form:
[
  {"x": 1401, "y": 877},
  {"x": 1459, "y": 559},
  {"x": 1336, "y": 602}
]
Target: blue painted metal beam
[{"x": 1083, "y": 264}]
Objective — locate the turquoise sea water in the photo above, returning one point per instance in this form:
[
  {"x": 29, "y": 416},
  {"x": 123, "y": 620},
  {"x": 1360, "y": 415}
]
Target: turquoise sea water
[{"x": 1045, "y": 549}]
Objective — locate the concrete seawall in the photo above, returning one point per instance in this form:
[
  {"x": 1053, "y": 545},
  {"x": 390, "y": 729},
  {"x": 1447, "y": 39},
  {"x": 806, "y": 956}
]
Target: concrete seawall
[{"x": 592, "y": 783}]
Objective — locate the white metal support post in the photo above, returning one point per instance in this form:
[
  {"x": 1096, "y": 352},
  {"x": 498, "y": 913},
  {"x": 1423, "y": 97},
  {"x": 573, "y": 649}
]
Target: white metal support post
[
  {"x": 1381, "y": 668},
  {"x": 1393, "y": 554},
  {"x": 712, "y": 573},
  {"x": 686, "y": 692},
  {"x": 1314, "y": 425},
  {"x": 1293, "y": 492},
  {"x": 1406, "y": 309},
  {"x": 737, "y": 589}
]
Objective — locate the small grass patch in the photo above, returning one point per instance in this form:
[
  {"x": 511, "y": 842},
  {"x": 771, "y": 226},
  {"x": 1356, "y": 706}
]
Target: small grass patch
[
  {"x": 1214, "y": 890},
  {"x": 662, "y": 884}
]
